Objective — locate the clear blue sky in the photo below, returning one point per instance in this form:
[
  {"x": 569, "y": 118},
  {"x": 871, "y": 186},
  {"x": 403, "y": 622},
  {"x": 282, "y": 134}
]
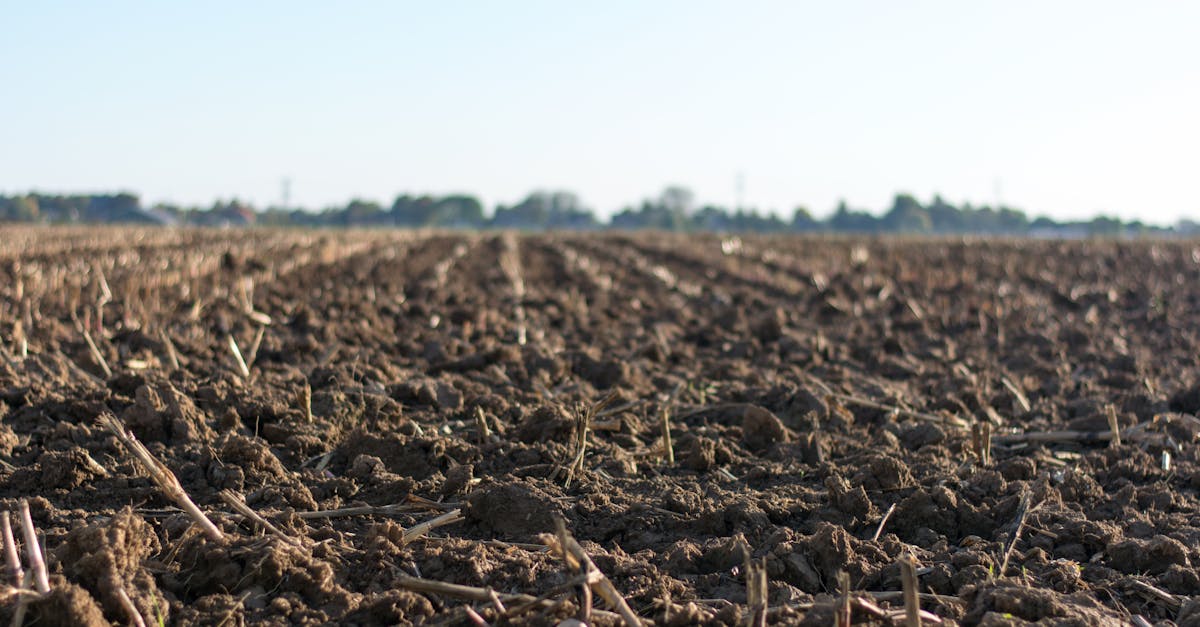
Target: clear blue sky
[{"x": 1064, "y": 108}]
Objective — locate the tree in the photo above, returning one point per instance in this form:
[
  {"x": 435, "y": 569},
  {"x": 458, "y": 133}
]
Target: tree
[
  {"x": 361, "y": 213},
  {"x": 531, "y": 213},
  {"x": 846, "y": 220},
  {"x": 803, "y": 220},
  {"x": 1104, "y": 226},
  {"x": 457, "y": 211},
  {"x": 945, "y": 217},
  {"x": 122, "y": 207},
  {"x": 21, "y": 209},
  {"x": 1012, "y": 221},
  {"x": 545, "y": 210},
  {"x": 907, "y": 216},
  {"x": 670, "y": 211},
  {"x": 712, "y": 218},
  {"x": 409, "y": 211},
  {"x": 677, "y": 199}
]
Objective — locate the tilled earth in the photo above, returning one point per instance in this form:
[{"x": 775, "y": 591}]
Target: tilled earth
[{"x": 833, "y": 406}]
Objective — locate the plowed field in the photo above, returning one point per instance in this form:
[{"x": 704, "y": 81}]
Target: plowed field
[{"x": 446, "y": 428}]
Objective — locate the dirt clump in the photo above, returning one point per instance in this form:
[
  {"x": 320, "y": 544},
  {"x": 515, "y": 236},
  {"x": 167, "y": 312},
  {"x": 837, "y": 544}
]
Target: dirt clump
[
  {"x": 761, "y": 428},
  {"x": 109, "y": 557},
  {"x": 516, "y": 511},
  {"x": 67, "y": 604}
]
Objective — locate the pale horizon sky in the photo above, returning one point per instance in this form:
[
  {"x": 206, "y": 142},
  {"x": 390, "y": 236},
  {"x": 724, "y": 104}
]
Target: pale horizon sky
[{"x": 1066, "y": 109}]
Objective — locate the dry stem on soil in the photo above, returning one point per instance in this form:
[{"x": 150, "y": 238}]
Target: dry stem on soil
[
  {"x": 12, "y": 560},
  {"x": 33, "y": 551},
  {"x": 162, "y": 476},
  {"x": 577, "y": 559}
]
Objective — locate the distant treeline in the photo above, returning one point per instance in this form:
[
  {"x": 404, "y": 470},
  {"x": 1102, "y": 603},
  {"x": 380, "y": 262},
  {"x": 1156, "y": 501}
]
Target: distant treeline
[{"x": 673, "y": 209}]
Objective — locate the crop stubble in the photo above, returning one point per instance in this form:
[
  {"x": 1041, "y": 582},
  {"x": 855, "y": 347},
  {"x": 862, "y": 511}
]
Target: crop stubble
[{"x": 416, "y": 402}]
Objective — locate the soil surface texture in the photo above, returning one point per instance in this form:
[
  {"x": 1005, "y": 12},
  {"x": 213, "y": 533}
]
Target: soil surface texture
[{"x": 389, "y": 427}]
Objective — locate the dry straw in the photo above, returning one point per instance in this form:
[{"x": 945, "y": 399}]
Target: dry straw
[
  {"x": 162, "y": 476},
  {"x": 33, "y": 551}
]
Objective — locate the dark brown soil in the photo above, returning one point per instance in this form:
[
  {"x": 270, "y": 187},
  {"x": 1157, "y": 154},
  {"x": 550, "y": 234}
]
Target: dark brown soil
[{"x": 819, "y": 385}]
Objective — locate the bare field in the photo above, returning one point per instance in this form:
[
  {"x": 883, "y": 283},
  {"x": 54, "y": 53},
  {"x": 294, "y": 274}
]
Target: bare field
[{"x": 386, "y": 427}]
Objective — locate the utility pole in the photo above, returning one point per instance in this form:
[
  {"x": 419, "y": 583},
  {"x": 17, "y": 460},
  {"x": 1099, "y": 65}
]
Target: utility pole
[
  {"x": 287, "y": 193},
  {"x": 739, "y": 190}
]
